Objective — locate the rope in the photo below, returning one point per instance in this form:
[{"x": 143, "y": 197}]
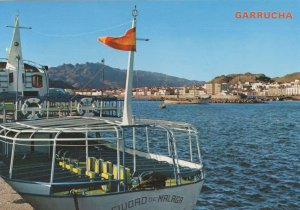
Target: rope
[
  {"x": 74, "y": 194},
  {"x": 80, "y": 34}
]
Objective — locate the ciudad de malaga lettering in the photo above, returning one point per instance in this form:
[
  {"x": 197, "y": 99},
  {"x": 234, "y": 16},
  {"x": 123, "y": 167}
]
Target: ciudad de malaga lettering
[
  {"x": 148, "y": 200},
  {"x": 263, "y": 15}
]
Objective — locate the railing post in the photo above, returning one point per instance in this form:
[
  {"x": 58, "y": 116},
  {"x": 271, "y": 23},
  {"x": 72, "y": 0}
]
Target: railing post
[
  {"x": 48, "y": 105},
  {"x": 71, "y": 107},
  {"x": 16, "y": 111},
  {"x": 75, "y": 104},
  {"x": 53, "y": 161},
  {"x": 86, "y": 149},
  {"x": 133, "y": 147},
  {"x": 118, "y": 109},
  {"x": 191, "y": 149},
  {"x": 168, "y": 139},
  {"x": 174, "y": 155},
  {"x": 20, "y": 105},
  {"x": 101, "y": 107},
  {"x": 124, "y": 162},
  {"x": 4, "y": 113},
  {"x": 147, "y": 139},
  {"x": 118, "y": 158},
  {"x": 12, "y": 158},
  {"x": 198, "y": 148}
]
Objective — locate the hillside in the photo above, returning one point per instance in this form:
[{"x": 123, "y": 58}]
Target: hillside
[
  {"x": 288, "y": 78},
  {"x": 89, "y": 75},
  {"x": 235, "y": 78},
  {"x": 59, "y": 84}
]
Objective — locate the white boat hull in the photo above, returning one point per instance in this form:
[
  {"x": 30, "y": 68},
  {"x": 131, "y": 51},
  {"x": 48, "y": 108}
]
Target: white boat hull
[{"x": 179, "y": 197}]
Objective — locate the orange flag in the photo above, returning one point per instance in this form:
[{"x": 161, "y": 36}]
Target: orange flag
[{"x": 126, "y": 42}]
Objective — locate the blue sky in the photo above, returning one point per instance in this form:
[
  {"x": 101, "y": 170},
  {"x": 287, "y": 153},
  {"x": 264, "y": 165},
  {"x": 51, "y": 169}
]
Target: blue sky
[{"x": 193, "y": 39}]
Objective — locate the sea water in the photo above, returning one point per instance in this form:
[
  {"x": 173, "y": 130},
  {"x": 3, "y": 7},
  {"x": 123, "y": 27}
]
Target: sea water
[{"x": 250, "y": 152}]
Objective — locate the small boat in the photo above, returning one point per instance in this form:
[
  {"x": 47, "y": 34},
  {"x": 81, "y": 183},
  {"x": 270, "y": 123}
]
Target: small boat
[
  {"x": 162, "y": 106},
  {"x": 84, "y": 162},
  {"x": 186, "y": 101}
]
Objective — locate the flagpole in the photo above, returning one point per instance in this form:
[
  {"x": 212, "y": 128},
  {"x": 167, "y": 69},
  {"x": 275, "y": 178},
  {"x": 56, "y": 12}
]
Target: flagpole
[{"x": 127, "y": 110}]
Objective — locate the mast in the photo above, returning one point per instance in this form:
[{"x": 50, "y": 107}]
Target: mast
[
  {"x": 15, "y": 59},
  {"x": 127, "y": 110},
  {"x": 15, "y": 52}
]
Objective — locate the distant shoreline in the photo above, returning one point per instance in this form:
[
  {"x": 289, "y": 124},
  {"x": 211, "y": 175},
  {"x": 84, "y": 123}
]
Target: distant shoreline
[{"x": 223, "y": 100}]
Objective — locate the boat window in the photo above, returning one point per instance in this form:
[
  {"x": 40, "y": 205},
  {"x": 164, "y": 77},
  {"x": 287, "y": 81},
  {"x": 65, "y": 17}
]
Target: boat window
[
  {"x": 71, "y": 135},
  {"x": 94, "y": 135},
  {"x": 43, "y": 136},
  {"x": 31, "y": 93},
  {"x": 11, "y": 77},
  {"x": 11, "y": 134},
  {"x": 32, "y": 161},
  {"x": 2, "y": 65},
  {"x": 157, "y": 140},
  {"x": 37, "y": 81},
  {"x": 187, "y": 148},
  {"x": 24, "y": 135}
]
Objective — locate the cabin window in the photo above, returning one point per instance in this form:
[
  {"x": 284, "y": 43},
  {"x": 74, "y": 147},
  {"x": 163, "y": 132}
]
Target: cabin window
[
  {"x": 37, "y": 81},
  {"x": 31, "y": 93},
  {"x": 11, "y": 77}
]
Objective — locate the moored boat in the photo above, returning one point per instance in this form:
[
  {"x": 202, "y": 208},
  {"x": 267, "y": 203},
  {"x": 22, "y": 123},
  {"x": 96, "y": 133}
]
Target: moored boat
[
  {"x": 186, "y": 101},
  {"x": 25, "y": 92},
  {"x": 85, "y": 162},
  {"x": 162, "y": 106}
]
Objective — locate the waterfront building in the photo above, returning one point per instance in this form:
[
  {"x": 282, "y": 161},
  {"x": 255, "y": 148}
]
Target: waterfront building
[
  {"x": 183, "y": 91},
  {"x": 216, "y": 88},
  {"x": 293, "y": 91}
]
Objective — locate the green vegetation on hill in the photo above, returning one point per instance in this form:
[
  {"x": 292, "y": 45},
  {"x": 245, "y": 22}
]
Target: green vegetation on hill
[
  {"x": 288, "y": 78},
  {"x": 235, "y": 78}
]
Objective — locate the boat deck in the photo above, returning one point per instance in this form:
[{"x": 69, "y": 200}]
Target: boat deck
[{"x": 38, "y": 167}]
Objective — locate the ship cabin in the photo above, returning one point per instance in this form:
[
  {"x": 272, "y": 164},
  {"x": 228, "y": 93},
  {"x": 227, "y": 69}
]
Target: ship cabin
[
  {"x": 34, "y": 79},
  {"x": 18, "y": 75}
]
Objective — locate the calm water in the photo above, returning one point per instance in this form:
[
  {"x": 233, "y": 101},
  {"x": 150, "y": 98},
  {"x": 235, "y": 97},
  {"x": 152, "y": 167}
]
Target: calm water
[{"x": 251, "y": 152}]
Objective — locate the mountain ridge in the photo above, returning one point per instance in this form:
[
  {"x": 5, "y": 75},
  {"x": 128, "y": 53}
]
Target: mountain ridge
[
  {"x": 90, "y": 75},
  {"x": 288, "y": 77}
]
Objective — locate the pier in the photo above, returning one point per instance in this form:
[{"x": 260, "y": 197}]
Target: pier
[{"x": 10, "y": 199}]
